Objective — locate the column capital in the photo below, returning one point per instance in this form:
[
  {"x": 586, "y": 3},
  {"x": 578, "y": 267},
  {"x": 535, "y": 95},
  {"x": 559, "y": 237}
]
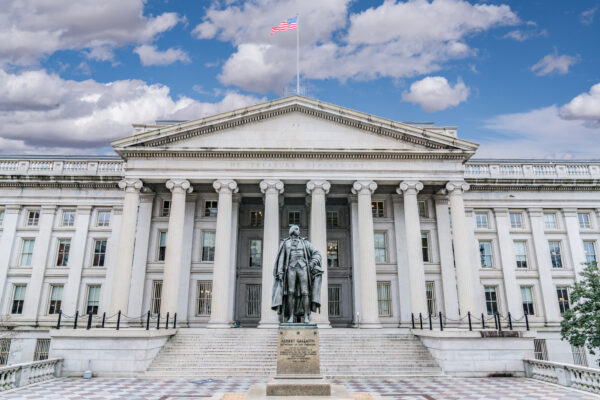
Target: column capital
[
  {"x": 271, "y": 185},
  {"x": 84, "y": 209},
  {"x": 457, "y": 187},
  {"x": 225, "y": 186},
  {"x": 12, "y": 208},
  {"x": 48, "y": 209},
  {"x": 179, "y": 186},
  {"x": 409, "y": 187},
  {"x": 569, "y": 212},
  {"x": 501, "y": 211},
  {"x": 131, "y": 185},
  {"x": 535, "y": 212},
  {"x": 364, "y": 187},
  {"x": 317, "y": 184}
]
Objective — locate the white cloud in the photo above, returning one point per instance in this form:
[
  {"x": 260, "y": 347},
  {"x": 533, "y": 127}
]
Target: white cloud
[
  {"x": 150, "y": 55},
  {"x": 540, "y": 133},
  {"x": 395, "y": 39},
  {"x": 43, "y": 113},
  {"x": 585, "y": 107},
  {"x": 587, "y": 17},
  {"x": 553, "y": 64},
  {"x": 31, "y": 29},
  {"x": 521, "y": 35},
  {"x": 433, "y": 93}
]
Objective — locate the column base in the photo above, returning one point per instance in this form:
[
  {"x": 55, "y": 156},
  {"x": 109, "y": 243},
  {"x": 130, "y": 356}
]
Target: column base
[
  {"x": 268, "y": 325},
  {"x": 323, "y": 325}
]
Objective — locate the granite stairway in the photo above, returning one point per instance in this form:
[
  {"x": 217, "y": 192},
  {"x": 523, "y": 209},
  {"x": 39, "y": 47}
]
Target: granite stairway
[{"x": 252, "y": 353}]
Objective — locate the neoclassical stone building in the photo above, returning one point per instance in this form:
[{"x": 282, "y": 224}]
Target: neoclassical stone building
[{"x": 188, "y": 217}]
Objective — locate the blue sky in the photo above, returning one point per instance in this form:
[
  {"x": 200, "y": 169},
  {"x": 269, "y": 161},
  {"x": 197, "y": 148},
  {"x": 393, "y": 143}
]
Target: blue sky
[{"x": 522, "y": 78}]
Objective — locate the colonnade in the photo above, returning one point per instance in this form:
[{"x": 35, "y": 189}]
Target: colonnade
[{"x": 223, "y": 275}]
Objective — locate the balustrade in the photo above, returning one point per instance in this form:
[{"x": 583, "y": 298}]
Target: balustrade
[{"x": 14, "y": 376}]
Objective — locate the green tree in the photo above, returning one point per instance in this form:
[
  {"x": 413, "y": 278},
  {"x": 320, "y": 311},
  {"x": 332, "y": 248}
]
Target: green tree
[{"x": 581, "y": 324}]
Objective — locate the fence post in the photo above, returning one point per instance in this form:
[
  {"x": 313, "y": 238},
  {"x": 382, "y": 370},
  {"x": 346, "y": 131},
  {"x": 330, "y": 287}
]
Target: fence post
[
  {"x": 526, "y": 321},
  {"x": 496, "y": 320},
  {"x": 469, "y": 318},
  {"x": 118, "y": 319},
  {"x": 75, "y": 321},
  {"x": 175, "y": 321},
  {"x": 89, "y": 323},
  {"x": 148, "y": 320},
  {"x": 509, "y": 321},
  {"x": 441, "y": 323},
  {"x": 412, "y": 318},
  {"x": 167, "y": 321},
  {"x": 421, "y": 320},
  {"x": 430, "y": 324},
  {"x": 499, "y": 322},
  {"x": 158, "y": 321},
  {"x": 59, "y": 318},
  {"x": 103, "y": 318},
  {"x": 482, "y": 321}
]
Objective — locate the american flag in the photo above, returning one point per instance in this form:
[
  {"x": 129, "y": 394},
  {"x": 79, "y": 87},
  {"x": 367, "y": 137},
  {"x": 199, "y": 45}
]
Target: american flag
[{"x": 287, "y": 25}]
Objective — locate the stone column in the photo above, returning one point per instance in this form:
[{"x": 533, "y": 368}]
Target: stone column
[
  {"x": 355, "y": 259},
  {"x": 318, "y": 189},
  {"x": 77, "y": 256},
  {"x": 509, "y": 263},
  {"x": 544, "y": 266},
  {"x": 140, "y": 255},
  {"x": 235, "y": 209},
  {"x": 446, "y": 257},
  {"x": 169, "y": 302},
  {"x": 124, "y": 264},
  {"x": 9, "y": 228},
  {"x": 272, "y": 188},
  {"x": 416, "y": 270},
  {"x": 402, "y": 258},
  {"x": 575, "y": 242},
  {"x": 368, "y": 273},
  {"x": 464, "y": 270},
  {"x": 221, "y": 267},
  {"x": 39, "y": 260}
]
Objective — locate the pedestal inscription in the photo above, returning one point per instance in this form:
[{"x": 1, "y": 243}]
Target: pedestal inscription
[{"x": 298, "y": 350}]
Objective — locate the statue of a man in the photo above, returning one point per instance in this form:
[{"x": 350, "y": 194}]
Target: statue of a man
[{"x": 298, "y": 274}]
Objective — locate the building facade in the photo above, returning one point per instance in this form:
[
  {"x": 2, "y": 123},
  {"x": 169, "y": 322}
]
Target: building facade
[{"x": 188, "y": 217}]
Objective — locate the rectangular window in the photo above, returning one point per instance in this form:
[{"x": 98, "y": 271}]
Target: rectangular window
[
  {"x": 425, "y": 246},
  {"x": 18, "y": 299},
  {"x": 332, "y": 219},
  {"x": 380, "y": 247},
  {"x": 162, "y": 246},
  {"x": 539, "y": 349},
  {"x": 333, "y": 297},
  {"x": 481, "y": 220},
  {"x": 516, "y": 221},
  {"x": 210, "y": 208},
  {"x": 4, "y": 350},
  {"x": 33, "y": 218},
  {"x": 579, "y": 356},
  {"x": 208, "y": 246},
  {"x": 430, "y": 296},
  {"x": 422, "y": 209},
  {"x": 253, "y": 301},
  {"x": 255, "y": 253},
  {"x": 384, "y": 299},
  {"x": 156, "y": 295},
  {"x": 204, "y": 298},
  {"x": 491, "y": 300},
  {"x": 64, "y": 247},
  {"x": 99, "y": 253},
  {"x": 333, "y": 254},
  {"x": 485, "y": 253},
  {"x": 27, "y": 252},
  {"x": 521, "y": 254},
  {"x": 103, "y": 219},
  {"x": 555, "y": 254},
  {"x": 165, "y": 209},
  {"x": 550, "y": 221},
  {"x": 41, "y": 349},
  {"x": 584, "y": 220},
  {"x": 294, "y": 218},
  {"x": 527, "y": 297},
  {"x": 377, "y": 207},
  {"x": 1, "y": 217},
  {"x": 256, "y": 218},
  {"x": 68, "y": 218},
  {"x": 93, "y": 299},
  {"x": 590, "y": 251},
  {"x": 56, "y": 292},
  {"x": 563, "y": 299}
]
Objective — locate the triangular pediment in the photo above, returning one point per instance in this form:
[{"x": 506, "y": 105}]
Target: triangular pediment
[{"x": 293, "y": 124}]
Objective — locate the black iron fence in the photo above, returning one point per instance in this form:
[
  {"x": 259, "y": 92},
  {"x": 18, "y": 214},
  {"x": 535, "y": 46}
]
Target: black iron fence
[
  {"x": 91, "y": 320},
  {"x": 469, "y": 321}
]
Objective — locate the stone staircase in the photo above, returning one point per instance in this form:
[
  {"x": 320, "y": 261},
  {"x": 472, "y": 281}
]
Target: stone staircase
[{"x": 252, "y": 353}]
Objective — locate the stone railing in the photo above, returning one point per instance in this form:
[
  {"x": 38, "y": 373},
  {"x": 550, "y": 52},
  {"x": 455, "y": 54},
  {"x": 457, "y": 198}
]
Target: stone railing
[
  {"x": 61, "y": 167},
  {"x": 532, "y": 170},
  {"x": 569, "y": 375},
  {"x": 14, "y": 376}
]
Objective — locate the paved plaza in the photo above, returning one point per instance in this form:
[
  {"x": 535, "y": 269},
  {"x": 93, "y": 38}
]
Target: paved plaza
[{"x": 401, "y": 389}]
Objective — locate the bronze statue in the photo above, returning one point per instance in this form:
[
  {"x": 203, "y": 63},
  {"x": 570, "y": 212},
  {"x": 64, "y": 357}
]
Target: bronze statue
[{"x": 298, "y": 274}]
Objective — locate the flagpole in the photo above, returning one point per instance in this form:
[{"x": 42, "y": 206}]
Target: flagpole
[{"x": 297, "y": 54}]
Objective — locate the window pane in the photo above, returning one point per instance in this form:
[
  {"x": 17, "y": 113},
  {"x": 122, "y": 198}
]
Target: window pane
[
  {"x": 332, "y": 254},
  {"x": 208, "y": 246},
  {"x": 384, "y": 299},
  {"x": 253, "y": 297},
  {"x": 491, "y": 301},
  {"x": 41, "y": 349},
  {"x": 563, "y": 299},
  {"x": 515, "y": 221},
  {"x": 99, "y": 253},
  {"x": 1, "y": 217},
  {"x": 64, "y": 246},
  {"x": 527, "y": 297},
  {"x": 162, "y": 246},
  {"x": 68, "y": 218},
  {"x": 166, "y": 208},
  {"x": 210, "y": 208},
  {"x": 294, "y": 218},
  {"x": 156, "y": 297},
  {"x": 485, "y": 251},
  {"x": 332, "y": 219},
  {"x": 4, "y": 350},
  {"x": 380, "y": 248},
  {"x": 422, "y": 209},
  {"x": 555, "y": 254},
  {"x": 590, "y": 251},
  {"x": 430, "y": 295},
  {"x": 18, "y": 299},
  {"x": 333, "y": 297},
  {"x": 103, "y": 218},
  {"x": 520, "y": 254},
  {"x": 204, "y": 298},
  {"x": 425, "y": 246},
  {"x": 256, "y": 218},
  {"x": 93, "y": 299},
  {"x": 550, "y": 221},
  {"x": 255, "y": 253},
  {"x": 482, "y": 220},
  {"x": 377, "y": 209},
  {"x": 33, "y": 218},
  {"x": 584, "y": 220},
  {"x": 27, "y": 252},
  {"x": 56, "y": 293}
]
